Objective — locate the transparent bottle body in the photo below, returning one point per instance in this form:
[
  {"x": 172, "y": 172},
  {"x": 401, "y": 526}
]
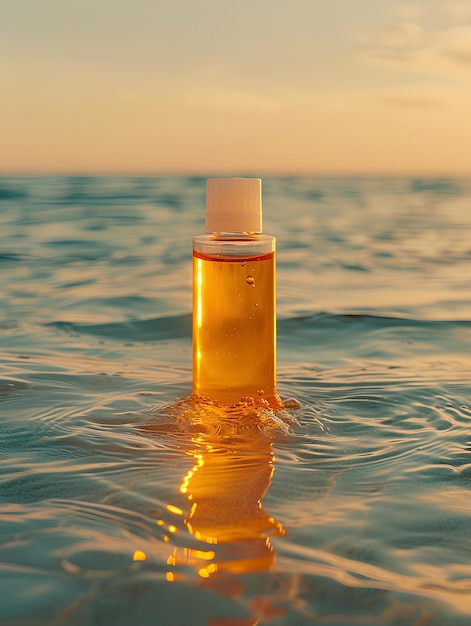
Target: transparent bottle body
[{"x": 234, "y": 317}]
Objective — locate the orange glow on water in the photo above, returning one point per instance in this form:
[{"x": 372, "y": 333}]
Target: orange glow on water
[
  {"x": 224, "y": 488},
  {"x": 174, "y": 509}
]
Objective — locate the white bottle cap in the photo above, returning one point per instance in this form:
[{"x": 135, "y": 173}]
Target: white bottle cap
[{"x": 234, "y": 205}]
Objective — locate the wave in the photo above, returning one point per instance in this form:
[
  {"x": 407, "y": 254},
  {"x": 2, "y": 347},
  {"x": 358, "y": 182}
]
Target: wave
[
  {"x": 179, "y": 326},
  {"x": 372, "y": 321},
  {"x": 440, "y": 186},
  {"x": 154, "y": 329},
  {"x": 11, "y": 193}
]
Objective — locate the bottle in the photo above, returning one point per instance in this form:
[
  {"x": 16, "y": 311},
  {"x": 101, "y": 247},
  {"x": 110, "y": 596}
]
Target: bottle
[{"x": 234, "y": 316}]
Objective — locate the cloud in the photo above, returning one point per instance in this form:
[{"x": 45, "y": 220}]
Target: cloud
[
  {"x": 442, "y": 51},
  {"x": 401, "y": 41},
  {"x": 410, "y": 100},
  {"x": 408, "y": 11},
  {"x": 426, "y": 95},
  {"x": 220, "y": 100},
  {"x": 455, "y": 43},
  {"x": 458, "y": 10}
]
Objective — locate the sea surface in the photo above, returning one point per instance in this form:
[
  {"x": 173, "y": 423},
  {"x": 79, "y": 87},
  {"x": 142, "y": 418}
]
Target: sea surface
[{"x": 123, "y": 501}]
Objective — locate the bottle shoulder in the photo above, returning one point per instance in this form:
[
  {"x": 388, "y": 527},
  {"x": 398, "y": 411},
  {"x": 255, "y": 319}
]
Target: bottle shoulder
[{"x": 234, "y": 244}]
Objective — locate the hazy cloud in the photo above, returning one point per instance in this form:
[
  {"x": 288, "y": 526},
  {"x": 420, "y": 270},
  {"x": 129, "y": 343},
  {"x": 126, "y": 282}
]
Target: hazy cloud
[
  {"x": 410, "y": 100},
  {"x": 456, "y": 43},
  {"x": 436, "y": 50},
  {"x": 400, "y": 41},
  {"x": 230, "y": 100},
  {"x": 408, "y": 12},
  {"x": 458, "y": 10}
]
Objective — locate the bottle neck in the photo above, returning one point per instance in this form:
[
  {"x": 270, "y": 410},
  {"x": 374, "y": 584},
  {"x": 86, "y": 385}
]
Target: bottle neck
[{"x": 235, "y": 236}]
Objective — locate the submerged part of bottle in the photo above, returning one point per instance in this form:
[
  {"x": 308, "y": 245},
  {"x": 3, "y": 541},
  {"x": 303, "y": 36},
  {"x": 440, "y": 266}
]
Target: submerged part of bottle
[{"x": 234, "y": 317}]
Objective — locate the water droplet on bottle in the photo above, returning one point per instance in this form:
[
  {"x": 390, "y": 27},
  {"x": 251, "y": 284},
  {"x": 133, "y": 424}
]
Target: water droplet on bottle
[
  {"x": 243, "y": 263},
  {"x": 250, "y": 280}
]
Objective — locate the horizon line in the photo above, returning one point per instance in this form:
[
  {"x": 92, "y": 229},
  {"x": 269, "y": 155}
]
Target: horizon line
[{"x": 231, "y": 173}]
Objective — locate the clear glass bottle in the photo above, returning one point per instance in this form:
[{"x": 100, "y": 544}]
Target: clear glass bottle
[{"x": 234, "y": 298}]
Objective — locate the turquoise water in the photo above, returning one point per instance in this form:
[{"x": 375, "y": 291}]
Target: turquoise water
[{"x": 365, "y": 489}]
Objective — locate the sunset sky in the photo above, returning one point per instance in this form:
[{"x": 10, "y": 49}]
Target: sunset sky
[{"x": 250, "y": 87}]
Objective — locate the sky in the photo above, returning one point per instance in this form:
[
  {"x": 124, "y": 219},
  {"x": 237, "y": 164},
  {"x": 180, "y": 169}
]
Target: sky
[{"x": 251, "y": 87}]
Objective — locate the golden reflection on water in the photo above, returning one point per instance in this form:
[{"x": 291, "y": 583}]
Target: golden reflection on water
[
  {"x": 224, "y": 489},
  {"x": 233, "y": 465}
]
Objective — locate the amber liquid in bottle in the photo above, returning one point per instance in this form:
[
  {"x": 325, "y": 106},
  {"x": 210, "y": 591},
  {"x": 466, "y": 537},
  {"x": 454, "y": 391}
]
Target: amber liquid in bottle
[{"x": 234, "y": 319}]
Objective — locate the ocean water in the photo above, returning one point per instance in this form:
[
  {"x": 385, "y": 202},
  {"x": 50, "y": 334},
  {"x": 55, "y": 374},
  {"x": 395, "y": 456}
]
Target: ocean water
[{"x": 122, "y": 501}]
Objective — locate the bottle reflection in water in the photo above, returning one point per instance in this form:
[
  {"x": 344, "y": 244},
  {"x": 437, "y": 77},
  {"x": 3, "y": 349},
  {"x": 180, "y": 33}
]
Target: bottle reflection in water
[{"x": 232, "y": 469}]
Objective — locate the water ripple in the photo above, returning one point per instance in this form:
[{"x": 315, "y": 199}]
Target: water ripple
[{"x": 120, "y": 495}]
